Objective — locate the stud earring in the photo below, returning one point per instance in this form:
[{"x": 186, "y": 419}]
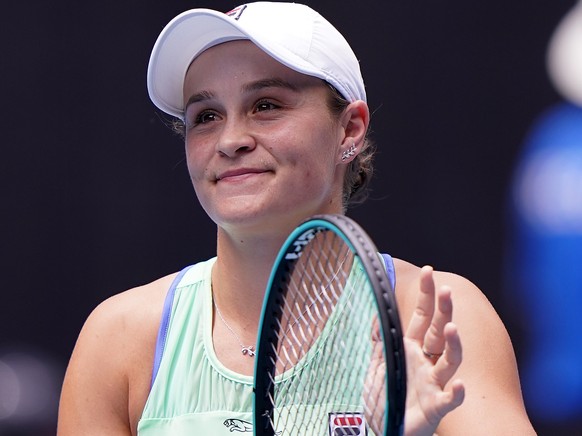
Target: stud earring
[{"x": 349, "y": 152}]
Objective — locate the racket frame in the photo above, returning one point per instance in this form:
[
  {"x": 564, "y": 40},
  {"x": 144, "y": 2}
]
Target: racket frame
[{"x": 363, "y": 247}]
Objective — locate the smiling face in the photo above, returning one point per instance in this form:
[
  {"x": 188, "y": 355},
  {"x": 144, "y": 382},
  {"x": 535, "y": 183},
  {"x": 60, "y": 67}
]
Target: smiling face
[{"x": 262, "y": 146}]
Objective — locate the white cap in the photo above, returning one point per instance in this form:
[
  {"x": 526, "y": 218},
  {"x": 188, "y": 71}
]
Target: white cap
[{"x": 293, "y": 34}]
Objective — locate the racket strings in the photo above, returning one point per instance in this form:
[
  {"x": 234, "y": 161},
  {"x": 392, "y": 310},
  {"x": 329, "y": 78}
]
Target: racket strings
[
  {"x": 311, "y": 294},
  {"x": 327, "y": 328},
  {"x": 308, "y": 303}
]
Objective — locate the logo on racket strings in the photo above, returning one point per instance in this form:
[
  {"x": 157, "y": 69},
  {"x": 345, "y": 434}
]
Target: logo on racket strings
[{"x": 297, "y": 246}]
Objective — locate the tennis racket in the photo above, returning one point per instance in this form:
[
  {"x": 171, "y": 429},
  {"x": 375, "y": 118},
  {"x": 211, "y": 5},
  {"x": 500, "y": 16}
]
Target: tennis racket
[{"x": 330, "y": 355}]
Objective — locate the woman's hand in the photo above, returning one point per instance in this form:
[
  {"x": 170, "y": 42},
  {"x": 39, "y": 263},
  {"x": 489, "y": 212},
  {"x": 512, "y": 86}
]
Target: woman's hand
[{"x": 433, "y": 355}]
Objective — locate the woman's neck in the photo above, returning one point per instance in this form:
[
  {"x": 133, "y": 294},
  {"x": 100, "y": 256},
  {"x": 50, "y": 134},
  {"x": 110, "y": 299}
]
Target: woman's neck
[{"x": 241, "y": 273}]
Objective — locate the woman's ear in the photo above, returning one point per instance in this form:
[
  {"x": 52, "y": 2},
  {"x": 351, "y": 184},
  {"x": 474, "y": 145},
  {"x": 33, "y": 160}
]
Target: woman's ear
[{"x": 354, "y": 121}]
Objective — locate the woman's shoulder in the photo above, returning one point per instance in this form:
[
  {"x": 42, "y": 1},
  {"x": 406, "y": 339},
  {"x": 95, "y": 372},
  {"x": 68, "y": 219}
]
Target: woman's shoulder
[
  {"x": 129, "y": 321},
  {"x": 464, "y": 291},
  {"x": 135, "y": 306},
  {"x": 408, "y": 275}
]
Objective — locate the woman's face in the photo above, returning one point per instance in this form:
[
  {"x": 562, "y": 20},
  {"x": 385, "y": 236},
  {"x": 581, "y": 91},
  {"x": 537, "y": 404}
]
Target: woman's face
[{"x": 262, "y": 146}]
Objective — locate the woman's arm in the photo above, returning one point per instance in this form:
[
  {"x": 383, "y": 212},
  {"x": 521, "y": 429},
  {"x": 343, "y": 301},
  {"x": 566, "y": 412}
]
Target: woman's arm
[
  {"x": 108, "y": 378},
  {"x": 493, "y": 401},
  {"x": 94, "y": 398},
  {"x": 472, "y": 388}
]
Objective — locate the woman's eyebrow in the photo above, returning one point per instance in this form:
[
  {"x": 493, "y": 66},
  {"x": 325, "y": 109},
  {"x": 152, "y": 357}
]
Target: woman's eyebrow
[
  {"x": 269, "y": 83},
  {"x": 199, "y": 96},
  {"x": 247, "y": 88}
]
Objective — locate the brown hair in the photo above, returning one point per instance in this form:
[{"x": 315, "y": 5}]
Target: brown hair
[{"x": 359, "y": 171}]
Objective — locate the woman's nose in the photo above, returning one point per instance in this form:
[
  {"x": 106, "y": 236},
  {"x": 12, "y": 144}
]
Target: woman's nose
[{"x": 235, "y": 138}]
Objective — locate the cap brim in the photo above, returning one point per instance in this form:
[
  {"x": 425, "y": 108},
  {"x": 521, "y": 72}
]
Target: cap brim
[{"x": 182, "y": 40}]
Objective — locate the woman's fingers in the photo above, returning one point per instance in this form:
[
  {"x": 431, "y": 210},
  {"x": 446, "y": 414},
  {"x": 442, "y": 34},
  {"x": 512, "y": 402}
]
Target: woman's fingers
[
  {"x": 448, "y": 364},
  {"x": 451, "y": 398},
  {"x": 453, "y": 393},
  {"x": 434, "y": 339},
  {"x": 434, "y": 309},
  {"x": 423, "y": 313},
  {"x": 432, "y": 391}
]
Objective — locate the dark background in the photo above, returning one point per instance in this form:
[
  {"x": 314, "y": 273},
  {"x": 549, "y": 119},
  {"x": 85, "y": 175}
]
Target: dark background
[{"x": 94, "y": 191}]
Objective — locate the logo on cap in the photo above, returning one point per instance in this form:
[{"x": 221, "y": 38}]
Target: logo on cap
[{"x": 236, "y": 12}]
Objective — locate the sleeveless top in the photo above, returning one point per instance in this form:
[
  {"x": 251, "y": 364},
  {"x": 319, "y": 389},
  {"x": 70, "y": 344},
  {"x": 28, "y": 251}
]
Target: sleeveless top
[{"x": 192, "y": 392}]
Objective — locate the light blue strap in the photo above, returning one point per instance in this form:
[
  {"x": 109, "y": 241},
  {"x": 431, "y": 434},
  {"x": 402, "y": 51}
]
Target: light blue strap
[
  {"x": 389, "y": 262},
  {"x": 164, "y": 324}
]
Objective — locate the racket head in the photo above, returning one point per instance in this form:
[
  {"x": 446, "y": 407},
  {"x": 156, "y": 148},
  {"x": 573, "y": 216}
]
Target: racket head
[{"x": 342, "y": 307}]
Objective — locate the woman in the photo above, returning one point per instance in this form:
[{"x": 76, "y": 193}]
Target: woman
[{"x": 274, "y": 118}]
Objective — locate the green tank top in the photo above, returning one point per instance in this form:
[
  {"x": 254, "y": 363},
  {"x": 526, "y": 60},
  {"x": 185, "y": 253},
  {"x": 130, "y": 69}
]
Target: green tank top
[{"x": 192, "y": 392}]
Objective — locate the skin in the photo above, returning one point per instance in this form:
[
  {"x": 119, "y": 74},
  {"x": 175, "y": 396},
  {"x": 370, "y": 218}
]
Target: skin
[{"x": 263, "y": 153}]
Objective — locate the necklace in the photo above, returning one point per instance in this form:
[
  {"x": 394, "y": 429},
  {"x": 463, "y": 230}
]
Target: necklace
[
  {"x": 246, "y": 351},
  {"x": 250, "y": 349}
]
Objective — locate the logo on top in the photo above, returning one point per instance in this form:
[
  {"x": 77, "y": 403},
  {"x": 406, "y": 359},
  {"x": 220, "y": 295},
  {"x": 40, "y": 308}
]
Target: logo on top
[{"x": 236, "y": 12}]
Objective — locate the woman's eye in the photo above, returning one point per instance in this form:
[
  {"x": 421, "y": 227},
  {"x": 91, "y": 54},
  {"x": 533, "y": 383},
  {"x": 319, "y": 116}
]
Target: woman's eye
[
  {"x": 265, "y": 106},
  {"x": 205, "y": 117}
]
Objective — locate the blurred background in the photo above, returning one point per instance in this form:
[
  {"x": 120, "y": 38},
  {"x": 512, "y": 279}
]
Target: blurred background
[{"x": 95, "y": 196}]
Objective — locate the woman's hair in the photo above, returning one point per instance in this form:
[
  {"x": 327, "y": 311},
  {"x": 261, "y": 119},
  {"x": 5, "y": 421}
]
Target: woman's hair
[{"x": 359, "y": 171}]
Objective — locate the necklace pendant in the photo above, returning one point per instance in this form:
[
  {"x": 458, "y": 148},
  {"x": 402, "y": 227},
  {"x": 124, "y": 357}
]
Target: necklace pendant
[{"x": 248, "y": 350}]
